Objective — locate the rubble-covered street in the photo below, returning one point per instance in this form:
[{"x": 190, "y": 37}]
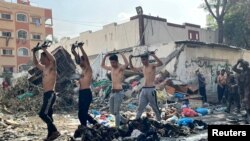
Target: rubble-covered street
[
  {"x": 24, "y": 127},
  {"x": 183, "y": 114},
  {"x": 19, "y": 120}
]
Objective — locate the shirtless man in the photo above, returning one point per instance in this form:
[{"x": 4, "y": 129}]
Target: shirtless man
[
  {"x": 48, "y": 66},
  {"x": 221, "y": 85},
  {"x": 85, "y": 94},
  {"x": 245, "y": 86},
  {"x": 148, "y": 93},
  {"x": 117, "y": 94}
]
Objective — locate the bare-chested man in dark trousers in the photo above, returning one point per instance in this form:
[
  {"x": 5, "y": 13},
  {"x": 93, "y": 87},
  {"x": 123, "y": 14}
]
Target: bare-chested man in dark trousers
[
  {"x": 244, "y": 75},
  {"x": 148, "y": 93},
  {"x": 117, "y": 94},
  {"x": 85, "y": 94},
  {"x": 48, "y": 66}
]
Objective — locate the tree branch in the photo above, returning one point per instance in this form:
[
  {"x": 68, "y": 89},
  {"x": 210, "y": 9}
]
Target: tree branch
[
  {"x": 223, "y": 11},
  {"x": 210, "y": 10},
  {"x": 218, "y": 9}
]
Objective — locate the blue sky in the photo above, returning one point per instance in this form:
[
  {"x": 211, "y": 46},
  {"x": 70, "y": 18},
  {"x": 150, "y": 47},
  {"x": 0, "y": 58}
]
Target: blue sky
[{"x": 71, "y": 17}]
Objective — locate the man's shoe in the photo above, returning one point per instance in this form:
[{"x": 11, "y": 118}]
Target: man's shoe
[
  {"x": 53, "y": 136},
  {"x": 238, "y": 111},
  {"x": 227, "y": 111}
]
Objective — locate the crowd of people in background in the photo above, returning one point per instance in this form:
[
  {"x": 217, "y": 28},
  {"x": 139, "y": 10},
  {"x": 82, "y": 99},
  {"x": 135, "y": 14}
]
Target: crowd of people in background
[{"x": 233, "y": 87}]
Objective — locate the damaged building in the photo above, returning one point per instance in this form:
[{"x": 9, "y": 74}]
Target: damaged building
[{"x": 183, "y": 58}]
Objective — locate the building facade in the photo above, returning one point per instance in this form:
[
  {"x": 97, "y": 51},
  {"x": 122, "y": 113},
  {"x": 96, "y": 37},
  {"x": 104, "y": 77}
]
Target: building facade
[
  {"x": 141, "y": 30},
  {"x": 22, "y": 26},
  {"x": 208, "y": 58}
]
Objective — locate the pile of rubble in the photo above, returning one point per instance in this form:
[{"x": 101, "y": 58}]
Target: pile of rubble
[
  {"x": 178, "y": 102},
  {"x": 27, "y": 97},
  {"x": 138, "y": 130}
]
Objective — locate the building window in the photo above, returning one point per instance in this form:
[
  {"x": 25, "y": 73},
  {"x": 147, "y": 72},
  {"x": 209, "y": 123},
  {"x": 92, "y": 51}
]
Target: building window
[
  {"x": 36, "y": 36},
  {"x": 22, "y": 34},
  {"x": 23, "y": 52},
  {"x": 190, "y": 35},
  {"x": 6, "y": 16},
  {"x": 193, "y": 35},
  {"x": 8, "y": 69},
  {"x": 36, "y": 21},
  {"x": 197, "y": 36},
  {"x": 7, "y": 52},
  {"x": 6, "y": 34},
  {"x": 23, "y": 68},
  {"x": 21, "y": 17}
]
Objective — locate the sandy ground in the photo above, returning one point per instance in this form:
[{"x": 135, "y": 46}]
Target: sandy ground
[{"x": 33, "y": 129}]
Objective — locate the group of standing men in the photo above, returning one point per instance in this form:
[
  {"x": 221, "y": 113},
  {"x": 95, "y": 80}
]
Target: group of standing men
[
  {"x": 47, "y": 64},
  {"x": 234, "y": 88},
  {"x": 239, "y": 87}
]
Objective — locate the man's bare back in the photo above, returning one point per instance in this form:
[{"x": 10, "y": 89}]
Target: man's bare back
[
  {"x": 49, "y": 79},
  {"x": 149, "y": 75},
  {"x": 117, "y": 78}
]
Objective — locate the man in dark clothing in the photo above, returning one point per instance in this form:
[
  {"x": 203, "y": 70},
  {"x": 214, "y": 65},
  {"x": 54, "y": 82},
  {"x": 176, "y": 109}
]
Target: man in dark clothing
[
  {"x": 241, "y": 79},
  {"x": 233, "y": 95},
  {"x": 245, "y": 72},
  {"x": 85, "y": 93},
  {"x": 47, "y": 65},
  {"x": 202, "y": 86}
]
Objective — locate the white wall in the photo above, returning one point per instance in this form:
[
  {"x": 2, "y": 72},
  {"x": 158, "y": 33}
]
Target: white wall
[
  {"x": 111, "y": 37},
  {"x": 208, "y": 60},
  {"x": 161, "y": 32}
]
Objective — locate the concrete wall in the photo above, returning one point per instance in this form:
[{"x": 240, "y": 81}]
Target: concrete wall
[
  {"x": 120, "y": 36},
  {"x": 163, "y": 32},
  {"x": 111, "y": 37},
  {"x": 208, "y": 60}
]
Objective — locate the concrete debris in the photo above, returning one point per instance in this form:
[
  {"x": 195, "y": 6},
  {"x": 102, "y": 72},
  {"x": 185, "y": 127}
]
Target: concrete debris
[{"x": 182, "y": 111}]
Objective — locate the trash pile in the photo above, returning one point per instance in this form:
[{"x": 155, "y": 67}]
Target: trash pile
[
  {"x": 142, "y": 129},
  {"x": 25, "y": 94},
  {"x": 179, "y": 103}
]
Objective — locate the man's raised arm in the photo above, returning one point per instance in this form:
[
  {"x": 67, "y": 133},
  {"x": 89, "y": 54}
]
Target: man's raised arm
[
  {"x": 103, "y": 65},
  {"x": 132, "y": 66},
  {"x": 235, "y": 67},
  {"x": 159, "y": 62},
  {"x": 50, "y": 57},
  {"x": 125, "y": 61},
  {"x": 36, "y": 63},
  {"x": 85, "y": 55}
]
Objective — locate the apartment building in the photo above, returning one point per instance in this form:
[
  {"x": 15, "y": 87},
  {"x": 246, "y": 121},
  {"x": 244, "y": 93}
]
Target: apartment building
[{"x": 22, "y": 26}]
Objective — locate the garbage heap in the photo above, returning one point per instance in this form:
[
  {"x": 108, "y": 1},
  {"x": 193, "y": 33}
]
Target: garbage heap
[
  {"x": 26, "y": 93},
  {"x": 139, "y": 130},
  {"x": 179, "y": 104}
]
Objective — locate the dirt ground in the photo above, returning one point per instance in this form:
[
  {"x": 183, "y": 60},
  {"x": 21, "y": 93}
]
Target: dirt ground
[{"x": 33, "y": 129}]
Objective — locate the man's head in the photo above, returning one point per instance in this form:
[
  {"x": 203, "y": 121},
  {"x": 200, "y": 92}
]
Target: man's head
[
  {"x": 223, "y": 72},
  {"x": 244, "y": 65},
  {"x": 144, "y": 59},
  {"x": 218, "y": 72},
  {"x": 113, "y": 60},
  {"x": 44, "y": 59}
]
